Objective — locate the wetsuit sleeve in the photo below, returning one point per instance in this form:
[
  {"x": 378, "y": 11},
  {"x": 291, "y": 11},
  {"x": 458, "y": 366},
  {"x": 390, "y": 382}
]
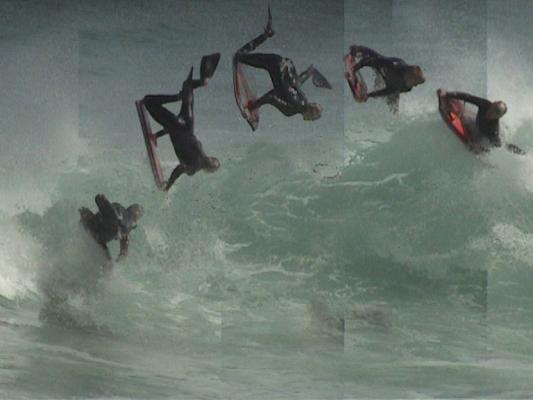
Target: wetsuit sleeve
[
  {"x": 178, "y": 171},
  {"x": 124, "y": 241},
  {"x": 106, "y": 251}
]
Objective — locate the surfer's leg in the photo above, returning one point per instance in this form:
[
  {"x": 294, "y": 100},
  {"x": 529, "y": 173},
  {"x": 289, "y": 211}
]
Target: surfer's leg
[
  {"x": 268, "y": 62},
  {"x": 393, "y": 101},
  {"x": 186, "y": 115},
  {"x": 317, "y": 78},
  {"x": 154, "y": 106},
  {"x": 261, "y": 101},
  {"x": 253, "y": 44}
]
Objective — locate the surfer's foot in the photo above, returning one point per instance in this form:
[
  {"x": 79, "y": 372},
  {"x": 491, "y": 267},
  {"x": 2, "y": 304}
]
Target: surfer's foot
[
  {"x": 246, "y": 110},
  {"x": 268, "y": 28}
]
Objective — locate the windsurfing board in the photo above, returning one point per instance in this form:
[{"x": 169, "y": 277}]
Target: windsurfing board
[
  {"x": 462, "y": 122},
  {"x": 244, "y": 94},
  {"x": 355, "y": 79},
  {"x": 150, "y": 141}
]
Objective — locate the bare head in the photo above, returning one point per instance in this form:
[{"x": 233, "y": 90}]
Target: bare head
[
  {"x": 135, "y": 211},
  {"x": 312, "y": 112},
  {"x": 497, "y": 110},
  {"x": 414, "y": 76},
  {"x": 211, "y": 164}
]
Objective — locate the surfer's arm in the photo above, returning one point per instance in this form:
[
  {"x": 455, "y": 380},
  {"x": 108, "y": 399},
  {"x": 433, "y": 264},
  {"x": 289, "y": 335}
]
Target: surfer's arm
[
  {"x": 106, "y": 251},
  {"x": 180, "y": 169},
  {"x": 124, "y": 241}
]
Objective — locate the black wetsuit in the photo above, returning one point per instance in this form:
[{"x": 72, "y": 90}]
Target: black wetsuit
[
  {"x": 112, "y": 221},
  {"x": 187, "y": 147},
  {"x": 286, "y": 95},
  {"x": 489, "y": 128},
  {"x": 391, "y": 69}
]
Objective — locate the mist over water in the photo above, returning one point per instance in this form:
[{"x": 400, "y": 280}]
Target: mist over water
[{"x": 363, "y": 255}]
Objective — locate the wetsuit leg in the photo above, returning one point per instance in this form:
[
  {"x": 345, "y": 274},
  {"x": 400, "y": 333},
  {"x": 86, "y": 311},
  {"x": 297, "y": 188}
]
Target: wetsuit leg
[
  {"x": 253, "y": 44},
  {"x": 154, "y": 106},
  {"x": 317, "y": 78},
  {"x": 268, "y": 62},
  {"x": 186, "y": 115}
]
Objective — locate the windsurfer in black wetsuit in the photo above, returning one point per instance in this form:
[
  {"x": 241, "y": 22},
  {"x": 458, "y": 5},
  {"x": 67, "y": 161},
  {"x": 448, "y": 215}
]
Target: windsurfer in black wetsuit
[
  {"x": 286, "y": 95},
  {"x": 487, "y": 118},
  {"x": 180, "y": 127},
  {"x": 112, "y": 221},
  {"x": 398, "y": 76}
]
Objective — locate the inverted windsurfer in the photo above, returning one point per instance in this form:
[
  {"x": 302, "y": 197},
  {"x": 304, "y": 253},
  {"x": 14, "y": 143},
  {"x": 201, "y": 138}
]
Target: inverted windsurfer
[
  {"x": 397, "y": 76},
  {"x": 487, "y": 117},
  {"x": 286, "y": 95},
  {"x": 180, "y": 127}
]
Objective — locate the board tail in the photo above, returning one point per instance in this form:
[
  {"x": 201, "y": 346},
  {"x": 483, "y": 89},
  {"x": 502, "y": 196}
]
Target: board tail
[
  {"x": 151, "y": 143},
  {"x": 355, "y": 80},
  {"x": 245, "y": 93}
]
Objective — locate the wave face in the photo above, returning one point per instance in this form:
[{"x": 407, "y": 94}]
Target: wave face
[{"x": 363, "y": 255}]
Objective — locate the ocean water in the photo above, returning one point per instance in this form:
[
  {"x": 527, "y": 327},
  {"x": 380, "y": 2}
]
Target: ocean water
[{"x": 363, "y": 255}]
